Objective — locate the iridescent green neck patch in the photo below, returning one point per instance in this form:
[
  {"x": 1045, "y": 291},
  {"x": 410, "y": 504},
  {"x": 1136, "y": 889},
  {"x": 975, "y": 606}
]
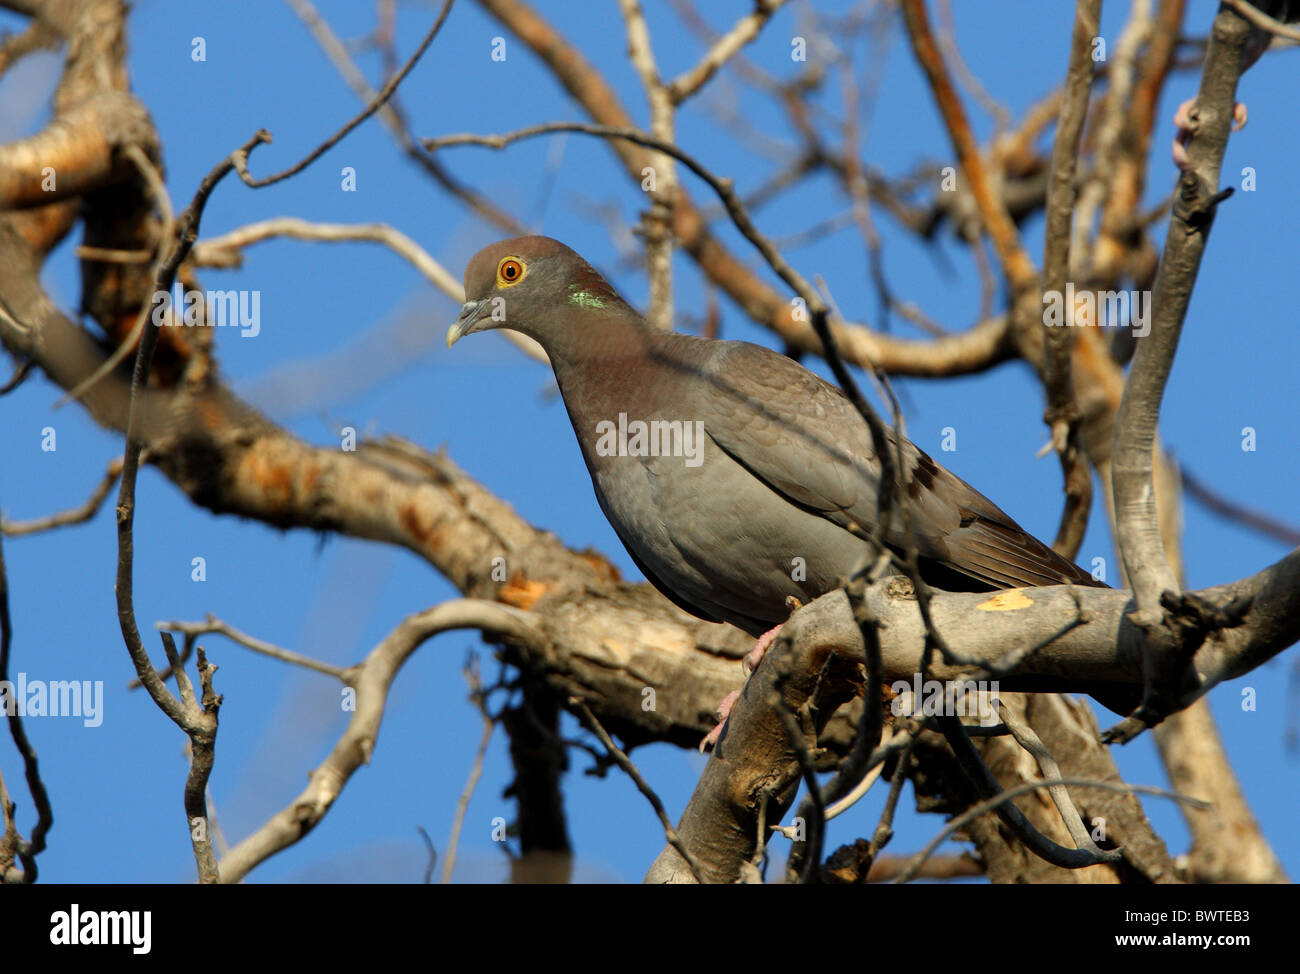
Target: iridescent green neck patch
[{"x": 585, "y": 299}]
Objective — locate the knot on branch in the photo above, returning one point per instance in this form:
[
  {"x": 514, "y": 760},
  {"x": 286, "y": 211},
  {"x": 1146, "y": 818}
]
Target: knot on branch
[
  {"x": 1194, "y": 203},
  {"x": 1173, "y": 642},
  {"x": 900, "y": 587},
  {"x": 1193, "y": 617},
  {"x": 1068, "y": 413}
]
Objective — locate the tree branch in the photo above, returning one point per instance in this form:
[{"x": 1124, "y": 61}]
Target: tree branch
[{"x": 1137, "y": 526}]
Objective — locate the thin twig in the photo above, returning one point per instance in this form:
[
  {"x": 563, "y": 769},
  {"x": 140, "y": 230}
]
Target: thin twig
[
  {"x": 376, "y": 103},
  {"x": 192, "y": 630},
  {"x": 1263, "y": 20},
  {"x": 1016, "y": 265},
  {"x": 885, "y": 827},
  {"x": 372, "y": 679},
  {"x": 26, "y": 849},
  {"x": 1266, "y": 524},
  {"x": 212, "y": 251},
  {"x": 475, "y": 772},
  {"x": 158, "y": 190},
  {"x": 198, "y": 720},
  {"x": 1000, "y": 114},
  {"x": 391, "y": 113},
  {"x": 432, "y": 861},
  {"x": 959, "y": 822},
  {"x": 987, "y": 786},
  {"x": 742, "y": 32},
  {"x": 584, "y": 714},
  {"x": 222, "y": 251},
  {"x": 1028, "y": 738},
  {"x": 76, "y": 515},
  {"x": 21, "y": 373},
  {"x": 806, "y": 855},
  {"x": 1062, "y": 414},
  {"x": 657, "y": 222}
]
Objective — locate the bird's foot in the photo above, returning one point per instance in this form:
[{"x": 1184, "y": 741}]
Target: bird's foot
[
  {"x": 722, "y": 712},
  {"x": 1187, "y": 123},
  {"x": 750, "y": 662},
  {"x": 761, "y": 646}
]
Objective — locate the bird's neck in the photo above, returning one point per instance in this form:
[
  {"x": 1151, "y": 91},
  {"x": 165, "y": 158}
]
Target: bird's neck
[
  {"x": 598, "y": 341},
  {"x": 601, "y": 355}
]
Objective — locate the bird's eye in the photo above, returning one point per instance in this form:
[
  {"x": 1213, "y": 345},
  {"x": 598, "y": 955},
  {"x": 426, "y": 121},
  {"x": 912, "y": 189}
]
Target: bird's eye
[{"x": 510, "y": 271}]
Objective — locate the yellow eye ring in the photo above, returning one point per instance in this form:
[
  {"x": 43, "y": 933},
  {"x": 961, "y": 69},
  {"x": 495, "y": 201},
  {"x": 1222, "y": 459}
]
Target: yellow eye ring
[{"x": 510, "y": 271}]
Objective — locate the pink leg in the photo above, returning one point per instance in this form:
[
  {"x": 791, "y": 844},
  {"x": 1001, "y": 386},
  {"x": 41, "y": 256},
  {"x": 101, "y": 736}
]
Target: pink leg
[
  {"x": 755, "y": 655},
  {"x": 723, "y": 711},
  {"x": 1186, "y": 129},
  {"x": 750, "y": 663}
]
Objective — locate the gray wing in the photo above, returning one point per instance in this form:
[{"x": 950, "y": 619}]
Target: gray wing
[{"x": 803, "y": 438}]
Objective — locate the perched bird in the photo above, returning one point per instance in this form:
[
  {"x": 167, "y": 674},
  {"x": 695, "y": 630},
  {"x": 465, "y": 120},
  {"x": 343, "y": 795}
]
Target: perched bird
[{"x": 731, "y": 473}]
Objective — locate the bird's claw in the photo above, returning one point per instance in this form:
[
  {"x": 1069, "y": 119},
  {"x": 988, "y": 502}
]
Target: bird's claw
[
  {"x": 750, "y": 663},
  {"x": 761, "y": 646},
  {"x": 1187, "y": 126},
  {"x": 722, "y": 713}
]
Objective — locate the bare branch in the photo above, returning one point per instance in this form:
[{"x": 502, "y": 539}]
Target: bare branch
[
  {"x": 76, "y": 515},
  {"x": 376, "y": 103},
  {"x": 988, "y": 788},
  {"x": 756, "y": 757},
  {"x": 371, "y": 679},
  {"x": 1263, "y": 523},
  {"x": 983, "y": 346},
  {"x": 164, "y": 277},
  {"x": 991, "y": 805},
  {"x": 391, "y": 114},
  {"x": 1137, "y": 525},
  {"x": 475, "y": 772},
  {"x": 192, "y": 630},
  {"x": 742, "y": 32},
  {"x": 216, "y": 251},
  {"x": 222, "y": 251},
  {"x": 1016, "y": 265},
  {"x": 1062, "y": 414},
  {"x": 625, "y": 763},
  {"x": 657, "y": 223},
  {"x": 1263, "y": 20},
  {"x": 1031, "y": 742},
  {"x": 26, "y": 850},
  {"x": 197, "y": 719}
]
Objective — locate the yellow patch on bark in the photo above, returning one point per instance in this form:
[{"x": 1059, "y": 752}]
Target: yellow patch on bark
[
  {"x": 1007, "y": 601},
  {"x": 521, "y": 592}
]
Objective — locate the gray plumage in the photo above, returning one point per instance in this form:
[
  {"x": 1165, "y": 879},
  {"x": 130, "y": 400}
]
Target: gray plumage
[{"x": 784, "y": 464}]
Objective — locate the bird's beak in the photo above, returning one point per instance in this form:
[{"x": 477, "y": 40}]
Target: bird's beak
[{"x": 472, "y": 314}]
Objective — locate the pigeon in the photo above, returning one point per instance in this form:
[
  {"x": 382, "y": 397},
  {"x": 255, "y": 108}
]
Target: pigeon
[{"x": 736, "y": 479}]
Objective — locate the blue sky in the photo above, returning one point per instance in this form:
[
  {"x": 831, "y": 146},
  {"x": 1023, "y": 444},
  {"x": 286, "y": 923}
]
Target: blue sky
[{"x": 351, "y": 334}]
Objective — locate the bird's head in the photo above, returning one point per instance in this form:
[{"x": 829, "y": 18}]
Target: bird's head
[{"x": 533, "y": 285}]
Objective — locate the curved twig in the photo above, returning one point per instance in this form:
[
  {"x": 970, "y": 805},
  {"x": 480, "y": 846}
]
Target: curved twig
[
  {"x": 371, "y": 680},
  {"x": 992, "y": 804}
]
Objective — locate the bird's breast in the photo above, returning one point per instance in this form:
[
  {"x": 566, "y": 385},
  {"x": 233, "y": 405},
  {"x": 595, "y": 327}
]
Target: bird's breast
[{"x": 706, "y": 529}]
